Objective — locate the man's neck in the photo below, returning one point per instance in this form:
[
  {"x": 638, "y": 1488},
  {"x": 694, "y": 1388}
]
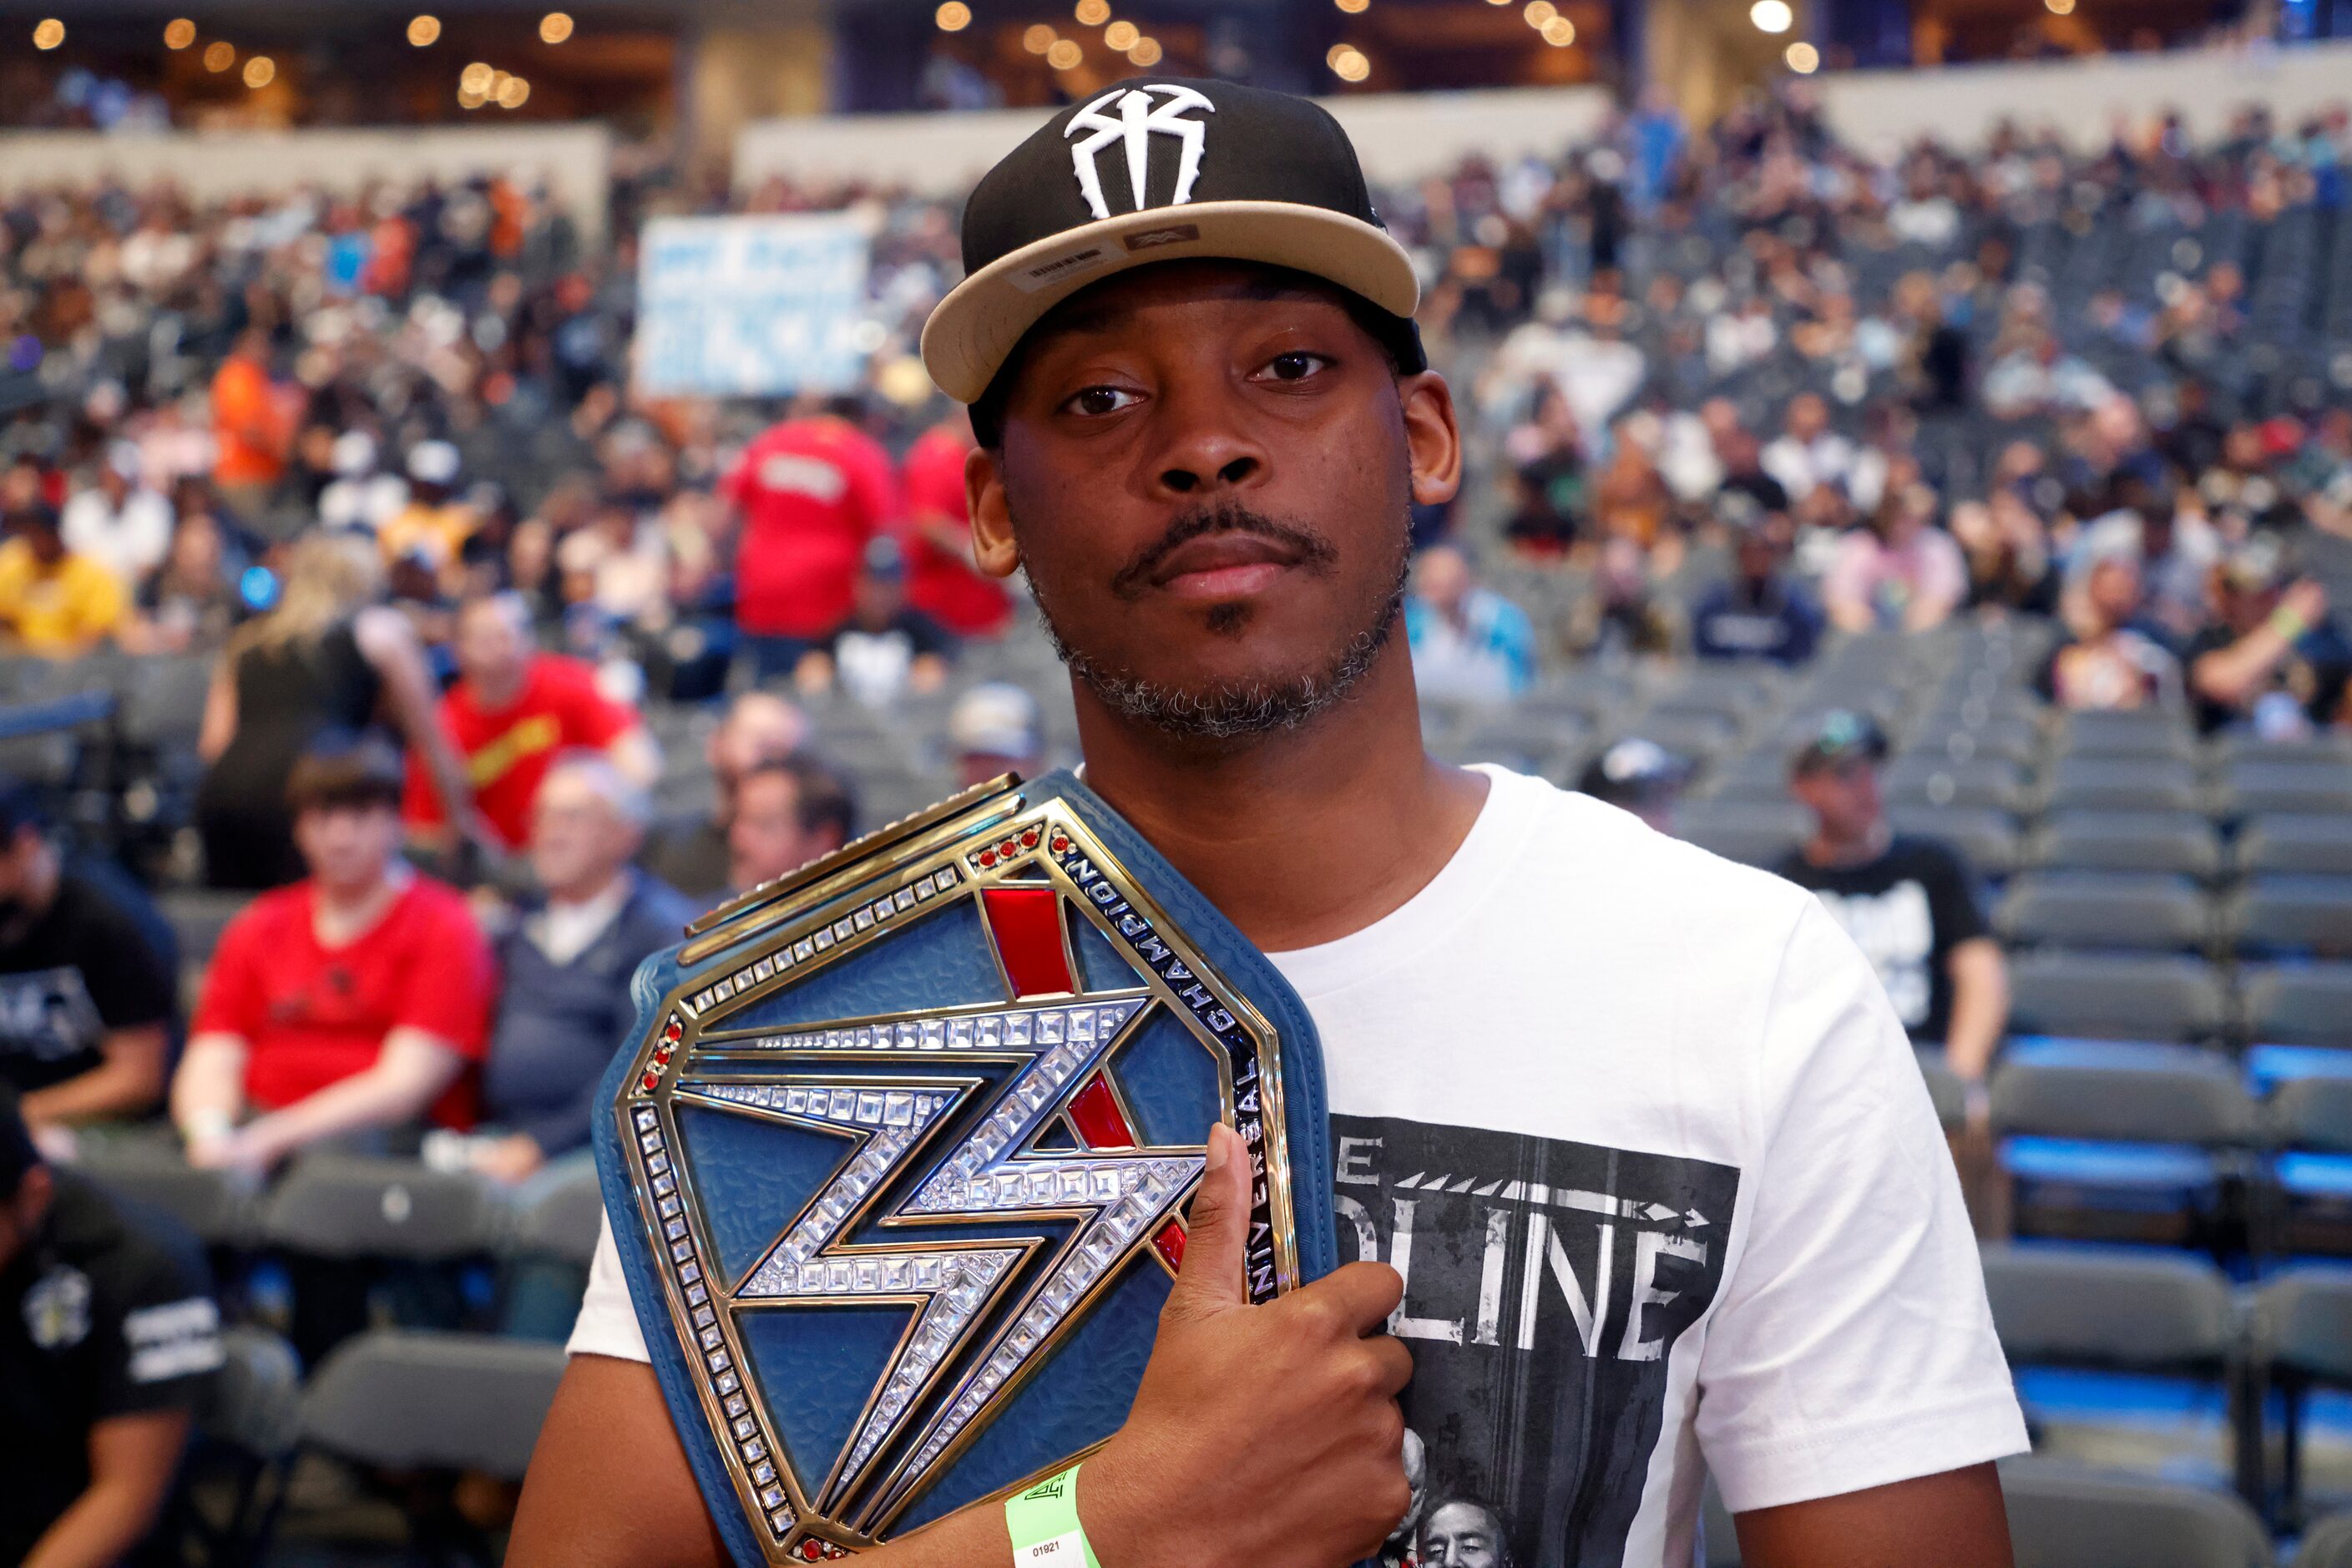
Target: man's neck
[
  {"x": 493, "y": 698},
  {"x": 586, "y": 893},
  {"x": 345, "y": 910},
  {"x": 1297, "y": 837}
]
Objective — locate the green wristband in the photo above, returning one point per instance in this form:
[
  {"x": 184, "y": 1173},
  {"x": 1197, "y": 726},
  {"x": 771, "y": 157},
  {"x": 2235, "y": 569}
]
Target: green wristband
[{"x": 1043, "y": 1522}]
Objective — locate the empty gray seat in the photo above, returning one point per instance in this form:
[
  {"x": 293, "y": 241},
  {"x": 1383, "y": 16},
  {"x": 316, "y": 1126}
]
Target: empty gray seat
[
  {"x": 2293, "y": 914},
  {"x": 1945, "y": 1091},
  {"x": 2013, "y": 739},
  {"x": 255, "y": 1401},
  {"x": 2296, "y": 1003},
  {"x": 1986, "y": 839},
  {"x": 2114, "y": 998},
  {"x": 2132, "y": 733},
  {"x": 2301, "y": 1330},
  {"x": 213, "y": 1205},
  {"x": 2296, "y": 844},
  {"x": 2316, "y": 787},
  {"x": 197, "y": 916},
  {"x": 2180, "y": 843},
  {"x": 2122, "y": 784},
  {"x": 561, "y": 1219},
  {"x": 2327, "y": 746},
  {"x": 340, "y": 1205},
  {"x": 2327, "y": 1544},
  {"x": 1694, "y": 735},
  {"x": 410, "y": 1400},
  {"x": 2105, "y": 910},
  {"x": 2126, "y": 1093},
  {"x": 2312, "y": 1113},
  {"x": 1518, "y": 734},
  {"x": 1753, "y": 833},
  {"x": 2065, "y": 1516},
  {"x": 1987, "y": 782},
  {"x": 2093, "y": 1307}
]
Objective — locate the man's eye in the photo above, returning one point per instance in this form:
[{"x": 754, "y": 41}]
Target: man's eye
[
  {"x": 1296, "y": 365},
  {"x": 1097, "y": 400}
]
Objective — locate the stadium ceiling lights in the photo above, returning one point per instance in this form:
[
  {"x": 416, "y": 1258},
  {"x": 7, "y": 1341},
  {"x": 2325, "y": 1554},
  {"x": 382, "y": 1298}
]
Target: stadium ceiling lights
[
  {"x": 1122, "y": 36},
  {"x": 1038, "y": 39},
  {"x": 1347, "y": 62},
  {"x": 1352, "y": 7},
  {"x": 260, "y": 72},
  {"x": 1772, "y": 15},
  {"x": 219, "y": 56},
  {"x": 1093, "y": 13},
  {"x": 179, "y": 34},
  {"x": 1803, "y": 57},
  {"x": 1146, "y": 53},
  {"x": 554, "y": 27},
  {"x": 425, "y": 31},
  {"x": 49, "y": 32},
  {"x": 953, "y": 17},
  {"x": 1065, "y": 54}
]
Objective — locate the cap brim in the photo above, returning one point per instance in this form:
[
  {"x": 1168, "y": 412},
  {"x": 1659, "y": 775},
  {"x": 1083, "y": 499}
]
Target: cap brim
[{"x": 973, "y": 330}]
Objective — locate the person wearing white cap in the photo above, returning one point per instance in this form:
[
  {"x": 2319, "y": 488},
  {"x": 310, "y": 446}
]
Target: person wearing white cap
[
  {"x": 117, "y": 521},
  {"x": 994, "y": 730},
  {"x": 433, "y": 522},
  {"x": 359, "y": 496}
]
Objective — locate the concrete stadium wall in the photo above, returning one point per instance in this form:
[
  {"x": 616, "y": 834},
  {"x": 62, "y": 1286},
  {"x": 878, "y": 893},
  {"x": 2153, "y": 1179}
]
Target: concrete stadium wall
[
  {"x": 1880, "y": 111},
  {"x": 1399, "y": 136},
  {"x": 574, "y": 159}
]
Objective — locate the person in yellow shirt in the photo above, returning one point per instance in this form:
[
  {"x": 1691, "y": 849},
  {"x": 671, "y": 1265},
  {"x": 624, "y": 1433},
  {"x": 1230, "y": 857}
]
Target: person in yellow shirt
[
  {"x": 434, "y": 523},
  {"x": 52, "y": 601}
]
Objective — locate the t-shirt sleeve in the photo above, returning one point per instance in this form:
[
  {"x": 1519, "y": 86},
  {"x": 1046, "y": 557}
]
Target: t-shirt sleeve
[
  {"x": 590, "y": 719},
  {"x": 457, "y": 983},
  {"x": 1952, "y": 899},
  {"x": 160, "y": 1331},
  {"x": 1854, "y": 1347},
  {"x": 607, "y": 1324},
  {"x": 130, "y": 980},
  {"x": 231, "y": 1002}
]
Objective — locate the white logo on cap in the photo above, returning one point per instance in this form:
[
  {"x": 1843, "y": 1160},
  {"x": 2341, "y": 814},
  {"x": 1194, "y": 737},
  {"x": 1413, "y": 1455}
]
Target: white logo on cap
[{"x": 1135, "y": 118}]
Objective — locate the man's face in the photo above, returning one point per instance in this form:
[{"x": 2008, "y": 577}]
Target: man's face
[
  {"x": 492, "y": 645},
  {"x": 1207, "y": 471},
  {"x": 766, "y": 839},
  {"x": 347, "y": 846},
  {"x": 17, "y": 853},
  {"x": 1843, "y": 796},
  {"x": 1463, "y": 1535},
  {"x": 578, "y": 842}
]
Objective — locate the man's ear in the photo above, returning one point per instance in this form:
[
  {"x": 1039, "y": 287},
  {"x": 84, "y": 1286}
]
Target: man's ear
[
  {"x": 1432, "y": 439},
  {"x": 992, "y": 515}
]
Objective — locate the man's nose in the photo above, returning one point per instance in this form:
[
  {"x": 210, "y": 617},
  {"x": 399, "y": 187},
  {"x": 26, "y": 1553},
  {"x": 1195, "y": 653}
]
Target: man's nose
[{"x": 1208, "y": 447}]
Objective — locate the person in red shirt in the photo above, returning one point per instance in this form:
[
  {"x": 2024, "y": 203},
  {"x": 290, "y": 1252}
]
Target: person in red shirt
[
  {"x": 808, "y": 494},
  {"x": 511, "y": 712},
  {"x": 357, "y": 998},
  {"x": 941, "y": 579}
]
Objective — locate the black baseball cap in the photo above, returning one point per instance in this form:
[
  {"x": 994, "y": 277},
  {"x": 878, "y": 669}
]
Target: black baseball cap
[
  {"x": 1842, "y": 737},
  {"x": 1164, "y": 169}
]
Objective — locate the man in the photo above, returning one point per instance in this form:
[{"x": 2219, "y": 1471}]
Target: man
[
  {"x": 88, "y": 983},
  {"x": 809, "y": 493},
  {"x": 1468, "y": 642},
  {"x": 760, "y": 727},
  {"x": 1909, "y": 904},
  {"x": 1640, "y": 776},
  {"x": 1900, "y": 570},
  {"x": 2271, "y": 663},
  {"x": 53, "y": 602},
  {"x": 354, "y": 1000},
  {"x": 1204, "y": 464},
  {"x": 511, "y": 712},
  {"x": 1464, "y": 1533},
  {"x": 1758, "y": 613},
  {"x": 565, "y": 967},
  {"x": 1809, "y": 453},
  {"x": 995, "y": 729},
  {"x": 118, "y": 521},
  {"x": 434, "y": 524},
  {"x": 887, "y": 648},
  {"x": 253, "y": 427},
  {"x": 941, "y": 579},
  {"x": 787, "y": 813},
  {"x": 107, "y": 1333},
  {"x": 2111, "y": 661}
]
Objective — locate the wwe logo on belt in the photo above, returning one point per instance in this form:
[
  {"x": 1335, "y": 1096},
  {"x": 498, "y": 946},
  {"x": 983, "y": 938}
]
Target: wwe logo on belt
[{"x": 1132, "y": 123}]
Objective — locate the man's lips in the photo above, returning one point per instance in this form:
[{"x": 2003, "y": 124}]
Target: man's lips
[{"x": 1224, "y": 566}]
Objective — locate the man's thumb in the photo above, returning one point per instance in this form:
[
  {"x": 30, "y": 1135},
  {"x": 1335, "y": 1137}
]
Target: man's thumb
[{"x": 1211, "y": 1278}]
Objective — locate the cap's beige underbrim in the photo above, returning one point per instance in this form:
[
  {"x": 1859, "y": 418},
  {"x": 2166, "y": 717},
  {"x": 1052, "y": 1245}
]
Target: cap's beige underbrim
[{"x": 969, "y": 335}]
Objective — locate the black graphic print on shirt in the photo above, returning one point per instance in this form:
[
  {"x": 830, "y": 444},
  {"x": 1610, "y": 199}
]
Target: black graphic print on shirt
[{"x": 1545, "y": 1284}]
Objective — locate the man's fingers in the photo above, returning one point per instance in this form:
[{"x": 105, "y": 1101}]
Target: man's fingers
[
  {"x": 1211, "y": 1279},
  {"x": 1361, "y": 1295}
]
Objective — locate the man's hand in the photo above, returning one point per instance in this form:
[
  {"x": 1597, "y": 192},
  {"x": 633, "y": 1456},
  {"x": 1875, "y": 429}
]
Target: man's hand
[
  {"x": 1261, "y": 1434},
  {"x": 509, "y": 1159}
]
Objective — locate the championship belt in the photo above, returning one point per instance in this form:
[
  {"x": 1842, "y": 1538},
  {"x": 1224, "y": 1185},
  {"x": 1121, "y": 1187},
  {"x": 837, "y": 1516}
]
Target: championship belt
[{"x": 898, "y": 1165}]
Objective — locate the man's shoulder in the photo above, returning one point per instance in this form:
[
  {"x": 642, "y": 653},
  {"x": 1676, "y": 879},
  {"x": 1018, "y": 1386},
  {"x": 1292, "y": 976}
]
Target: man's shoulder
[
  {"x": 1600, "y": 852},
  {"x": 134, "y": 1254},
  {"x": 271, "y": 912},
  {"x": 442, "y": 911}
]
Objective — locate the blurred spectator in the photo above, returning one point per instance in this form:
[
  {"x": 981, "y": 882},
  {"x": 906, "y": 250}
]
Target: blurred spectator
[
  {"x": 88, "y": 979},
  {"x": 510, "y": 713},
  {"x": 353, "y": 1002},
  {"x": 994, "y": 728},
  {"x": 53, "y": 602},
  {"x": 2109, "y": 661},
  {"x": 1622, "y": 615},
  {"x": 2174, "y": 549},
  {"x": 109, "y": 1334},
  {"x": 1640, "y": 776},
  {"x": 328, "y": 657},
  {"x": 2273, "y": 663},
  {"x": 118, "y": 521},
  {"x": 809, "y": 493},
  {"x": 1547, "y": 478},
  {"x": 786, "y": 813},
  {"x": 2008, "y": 553},
  {"x": 760, "y": 728},
  {"x": 1808, "y": 453},
  {"x": 1469, "y": 642},
  {"x": 886, "y": 649},
  {"x": 192, "y": 605},
  {"x": 1910, "y": 904},
  {"x": 1759, "y": 611},
  {"x": 360, "y": 497},
  {"x": 253, "y": 427},
  {"x": 434, "y": 523},
  {"x": 564, "y": 968},
  {"x": 941, "y": 579},
  {"x": 1900, "y": 570}
]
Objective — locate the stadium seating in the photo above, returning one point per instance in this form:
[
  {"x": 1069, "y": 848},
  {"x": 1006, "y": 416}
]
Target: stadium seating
[
  {"x": 2093, "y": 909},
  {"x": 2063, "y": 1516},
  {"x": 2301, "y": 1327},
  {"x": 2327, "y": 1544},
  {"x": 2109, "y": 996}
]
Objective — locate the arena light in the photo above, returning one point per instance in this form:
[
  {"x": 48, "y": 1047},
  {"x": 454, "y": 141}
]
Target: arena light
[
  {"x": 1122, "y": 35},
  {"x": 554, "y": 27},
  {"x": 1065, "y": 54},
  {"x": 1560, "y": 32},
  {"x": 260, "y": 72},
  {"x": 513, "y": 93},
  {"x": 1093, "y": 13},
  {"x": 477, "y": 78},
  {"x": 49, "y": 32},
  {"x": 423, "y": 31},
  {"x": 1772, "y": 15},
  {"x": 1146, "y": 53},
  {"x": 179, "y": 34},
  {"x": 1038, "y": 39},
  {"x": 1352, "y": 7},
  {"x": 469, "y": 99},
  {"x": 953, "y": 17},
  {"x": 1349, "y": 62},
  {"x": 219, "y": 55},
  {"x": 1803, "y": 57},
  {"x": 1539, "y": 11},
  {"x": 2060, "y": 7}
]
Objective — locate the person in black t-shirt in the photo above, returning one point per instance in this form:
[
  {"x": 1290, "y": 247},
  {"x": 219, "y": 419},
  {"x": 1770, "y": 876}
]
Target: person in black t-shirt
[
  {"x": 2272, "y": 662},
  {"x": 88, "y": 995},
  {"x": 886, "y": 646},
  {"x": 1908, "y": 903},
  {"x": 1758, "y": 612},
  {"x": 107, "y": 1332}
]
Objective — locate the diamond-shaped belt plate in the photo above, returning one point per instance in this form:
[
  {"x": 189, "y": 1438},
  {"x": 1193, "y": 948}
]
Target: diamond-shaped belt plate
[{"x": 913, "y": 1164}]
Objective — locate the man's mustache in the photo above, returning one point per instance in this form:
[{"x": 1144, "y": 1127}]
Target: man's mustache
[{"x": 1313, "y": 549}]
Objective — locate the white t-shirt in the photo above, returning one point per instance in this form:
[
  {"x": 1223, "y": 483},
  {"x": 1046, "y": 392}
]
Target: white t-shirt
[{"x": 1645, "y": 1139}]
